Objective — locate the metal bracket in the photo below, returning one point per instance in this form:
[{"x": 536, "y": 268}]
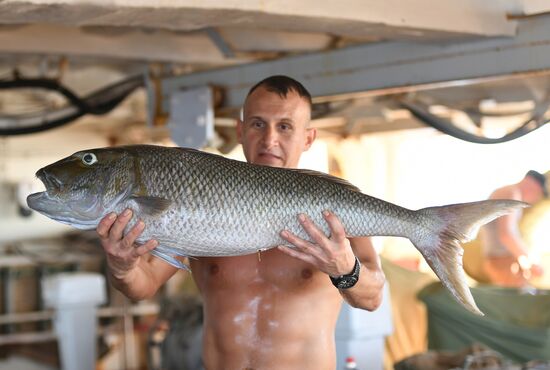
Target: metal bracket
[{"x": 191, "y": 120}]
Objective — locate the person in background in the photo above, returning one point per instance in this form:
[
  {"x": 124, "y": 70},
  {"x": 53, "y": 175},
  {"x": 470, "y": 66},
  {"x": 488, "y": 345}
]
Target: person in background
[{"x": 507, "y": 261}]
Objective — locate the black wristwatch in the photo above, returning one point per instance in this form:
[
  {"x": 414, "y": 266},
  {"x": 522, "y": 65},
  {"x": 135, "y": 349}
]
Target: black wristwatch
[{"x": 349, "y": 280}]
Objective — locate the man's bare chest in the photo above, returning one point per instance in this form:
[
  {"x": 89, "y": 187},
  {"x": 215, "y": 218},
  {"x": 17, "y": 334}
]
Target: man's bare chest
[{"x": 270, "y": 269}]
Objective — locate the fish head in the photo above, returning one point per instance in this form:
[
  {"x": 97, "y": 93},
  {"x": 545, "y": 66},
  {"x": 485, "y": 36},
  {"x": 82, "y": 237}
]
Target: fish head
[{"x": 84, "y": 187}]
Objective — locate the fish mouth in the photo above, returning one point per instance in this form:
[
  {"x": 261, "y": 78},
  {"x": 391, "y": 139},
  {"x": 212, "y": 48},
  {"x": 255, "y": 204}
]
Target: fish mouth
[
  {"x": 52, "y": 183},
  {"x": 50, "y": 207},
  {"x": 44, "y": 201}
]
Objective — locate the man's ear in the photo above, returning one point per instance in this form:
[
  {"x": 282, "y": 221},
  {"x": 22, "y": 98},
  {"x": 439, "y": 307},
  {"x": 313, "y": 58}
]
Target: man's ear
[
  {"x": 311, "y": 134},
  {"x": 239, "y": 129}
]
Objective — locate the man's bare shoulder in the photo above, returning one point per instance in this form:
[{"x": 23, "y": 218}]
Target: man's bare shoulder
[
  {"x": 507, "y": 192},
  {"x": 364, "y": 249}
]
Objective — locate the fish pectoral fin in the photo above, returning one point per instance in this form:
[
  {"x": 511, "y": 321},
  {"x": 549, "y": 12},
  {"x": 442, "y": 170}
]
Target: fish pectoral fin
[
  {"x": 170, "y": 259},
  {"x": 152, "y": 206}
]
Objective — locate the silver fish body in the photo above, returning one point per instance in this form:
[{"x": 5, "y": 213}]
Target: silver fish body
[{"x": 199, "y": 204}]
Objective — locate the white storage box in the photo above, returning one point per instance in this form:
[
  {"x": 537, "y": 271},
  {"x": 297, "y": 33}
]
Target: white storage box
[
  {"x": 360, "y": 334},
  {"x": 78, "y": 288}
]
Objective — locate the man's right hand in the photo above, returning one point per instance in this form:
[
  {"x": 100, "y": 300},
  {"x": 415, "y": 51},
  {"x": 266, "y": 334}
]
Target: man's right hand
[
  {"x": 536, "y": 270},
  {"x": 123, "y": 254}
]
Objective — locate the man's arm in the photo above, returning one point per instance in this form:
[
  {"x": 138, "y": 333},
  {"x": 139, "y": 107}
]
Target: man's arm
[
  {"x": 137, "y": 276},
  {"x": 507, "y": 226},
  {"x": 367, "y": 293},
  {"x": 335, "y": 256},
  {"x": 509, "y": 235}
]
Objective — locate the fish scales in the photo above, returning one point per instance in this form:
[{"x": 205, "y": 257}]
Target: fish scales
[{"x": 233, "y": 208}]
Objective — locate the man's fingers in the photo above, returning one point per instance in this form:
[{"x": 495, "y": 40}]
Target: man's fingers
[
  {"x": 337, "y": 231},
  {"x": 297, "y": 254},
  {"x": 119, "y": 225},
  {"x": 130, "y": 238},
  {"x": 145, "y": 248},
  {"x": 312, "y": 230},
  {"x": 303, "y": 245},
  {"x": 105, "y": 225}
]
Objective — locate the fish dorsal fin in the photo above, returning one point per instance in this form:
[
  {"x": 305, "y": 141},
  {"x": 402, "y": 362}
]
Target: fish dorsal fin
[
  {"x": 151, "y": 205},
  {"x": 327, "y": 177},
  {"x": 318, "y": 174}
]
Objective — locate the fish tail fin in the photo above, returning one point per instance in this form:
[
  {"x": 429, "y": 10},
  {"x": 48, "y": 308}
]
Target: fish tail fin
[{"x": 448, "y": 226}]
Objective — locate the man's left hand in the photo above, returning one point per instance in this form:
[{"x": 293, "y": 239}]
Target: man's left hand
[{"x": 332, "y": 255}]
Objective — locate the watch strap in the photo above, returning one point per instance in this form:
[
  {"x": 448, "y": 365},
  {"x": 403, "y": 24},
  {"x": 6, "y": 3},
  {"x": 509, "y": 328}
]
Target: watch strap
[{"x": 348, "y": 280}]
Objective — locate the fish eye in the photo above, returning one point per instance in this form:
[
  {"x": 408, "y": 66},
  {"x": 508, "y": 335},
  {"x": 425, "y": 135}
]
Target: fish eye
[{"x": 89, "y": 159}]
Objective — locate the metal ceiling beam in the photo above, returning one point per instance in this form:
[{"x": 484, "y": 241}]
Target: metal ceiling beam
[
  {"x": 535, "y": 7},
  {"x": 98, "y": 42},
  {"x": 356, "y": 18},
  {"x": 220, "y": 42},
  {"x": 387, "y": 67}
]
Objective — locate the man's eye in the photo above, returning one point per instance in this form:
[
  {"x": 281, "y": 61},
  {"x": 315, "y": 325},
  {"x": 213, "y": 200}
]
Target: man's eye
[
  {"x": 285, "y": 127},
  {"x": 257, "y": 124}
]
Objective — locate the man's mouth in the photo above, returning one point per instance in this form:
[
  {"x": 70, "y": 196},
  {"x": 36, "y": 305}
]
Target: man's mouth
[{"x": 269, "y": 155}]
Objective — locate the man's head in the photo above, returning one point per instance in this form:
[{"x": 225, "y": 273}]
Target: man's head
[
  {"x": 274, "y": 129},
  {"x": 540, "y": 179}
]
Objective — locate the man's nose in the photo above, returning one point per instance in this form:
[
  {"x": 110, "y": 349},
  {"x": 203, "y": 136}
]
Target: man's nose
[{"x": 270, "y": 137}]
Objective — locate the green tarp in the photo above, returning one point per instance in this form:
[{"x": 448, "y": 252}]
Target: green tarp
[{"x": 516, "y": 323}]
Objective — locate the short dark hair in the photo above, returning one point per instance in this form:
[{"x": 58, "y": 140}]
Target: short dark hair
[
  {"x": 281, "y": 85},
  {"x": 541, "y": 179}
]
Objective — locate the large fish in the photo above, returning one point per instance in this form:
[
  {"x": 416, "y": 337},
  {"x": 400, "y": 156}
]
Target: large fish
[{"x": 199, "y": 204}]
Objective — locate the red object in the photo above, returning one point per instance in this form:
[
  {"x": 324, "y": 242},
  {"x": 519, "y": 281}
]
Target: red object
[{"x": 350, "y": 363}]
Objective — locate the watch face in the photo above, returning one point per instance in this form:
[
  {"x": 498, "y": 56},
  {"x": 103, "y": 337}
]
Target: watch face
[{"x": 347, "y": 282}]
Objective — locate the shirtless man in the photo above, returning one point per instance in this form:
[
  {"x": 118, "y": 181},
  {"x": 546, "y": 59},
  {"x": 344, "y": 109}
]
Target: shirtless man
[
  {"x": 274, "y": 312},
  {"x": 507, "y": 260}
]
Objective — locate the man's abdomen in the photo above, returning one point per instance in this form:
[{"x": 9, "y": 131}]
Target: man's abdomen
[{"x": 277, "y": 313}]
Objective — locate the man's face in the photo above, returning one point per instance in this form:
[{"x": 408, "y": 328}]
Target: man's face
[{"x": 274, "y": 131}]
